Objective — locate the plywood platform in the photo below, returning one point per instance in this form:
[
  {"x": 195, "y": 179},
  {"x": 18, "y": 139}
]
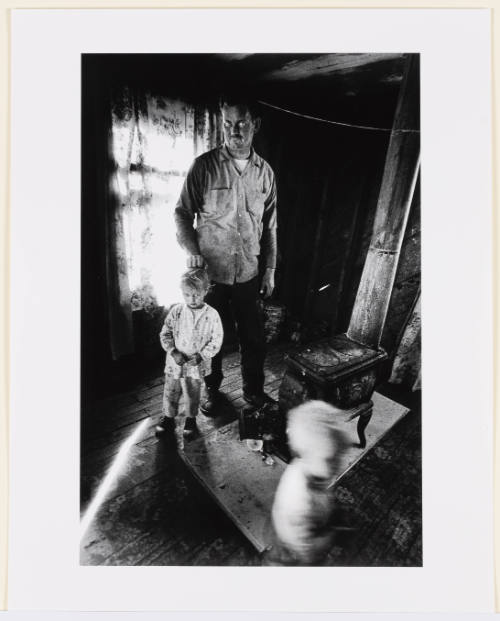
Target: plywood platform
[{"x": 244, "y": 485}]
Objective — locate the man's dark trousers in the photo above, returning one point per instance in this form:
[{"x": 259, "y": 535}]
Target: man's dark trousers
[{"x": 243, "y": 298}]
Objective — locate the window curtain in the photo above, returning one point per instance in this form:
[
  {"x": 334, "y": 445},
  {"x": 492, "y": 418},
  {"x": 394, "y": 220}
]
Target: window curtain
[{"x": 153, "y": 141}]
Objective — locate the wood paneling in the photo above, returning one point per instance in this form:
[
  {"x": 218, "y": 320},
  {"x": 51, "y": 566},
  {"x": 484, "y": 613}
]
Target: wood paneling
[
  {"x": 407, "y": 281},
  {"x": 328, "y": 180}
]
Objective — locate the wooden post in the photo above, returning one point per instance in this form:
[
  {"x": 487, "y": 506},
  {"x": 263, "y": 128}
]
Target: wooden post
[{"x": 398, "y": 182}]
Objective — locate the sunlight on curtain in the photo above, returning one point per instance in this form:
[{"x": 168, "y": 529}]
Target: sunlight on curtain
[{"x": 154, "y": 141}]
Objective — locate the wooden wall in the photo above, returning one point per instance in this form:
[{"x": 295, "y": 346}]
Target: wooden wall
[
  {"x": 407, "y": 282},
  {"x": 328, "y": 185},
  {"x": 328, "y": 181}
]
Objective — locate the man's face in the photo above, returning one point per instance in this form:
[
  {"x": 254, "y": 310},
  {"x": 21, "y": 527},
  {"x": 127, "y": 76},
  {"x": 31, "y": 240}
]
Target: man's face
[{"x": 239, "y": 128}]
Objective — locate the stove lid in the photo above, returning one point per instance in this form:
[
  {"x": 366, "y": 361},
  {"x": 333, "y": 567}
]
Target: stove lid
[{"x": 336, "y": 356}]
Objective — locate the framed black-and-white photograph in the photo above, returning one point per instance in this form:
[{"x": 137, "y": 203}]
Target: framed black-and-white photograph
[{"x": 255, "y": 295}]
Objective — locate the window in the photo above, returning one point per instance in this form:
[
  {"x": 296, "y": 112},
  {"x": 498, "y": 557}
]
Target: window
[{"x": 154, "y": 140}]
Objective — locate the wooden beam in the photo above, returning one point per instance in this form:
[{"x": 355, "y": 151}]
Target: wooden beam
[
  {"x": 327, "y": 64},
  {"x": 396, "y": 192}
]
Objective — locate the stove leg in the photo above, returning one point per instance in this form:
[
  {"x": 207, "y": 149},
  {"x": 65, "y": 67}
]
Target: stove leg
[{"x": 363, "y": 421}]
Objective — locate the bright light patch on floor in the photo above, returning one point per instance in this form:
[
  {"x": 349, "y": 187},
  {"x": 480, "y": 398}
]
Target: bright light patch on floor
[{"x": 110, "y": 478}]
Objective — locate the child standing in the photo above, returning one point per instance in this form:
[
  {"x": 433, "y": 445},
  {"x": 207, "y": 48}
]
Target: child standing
[{"x": 191, "y": 336}]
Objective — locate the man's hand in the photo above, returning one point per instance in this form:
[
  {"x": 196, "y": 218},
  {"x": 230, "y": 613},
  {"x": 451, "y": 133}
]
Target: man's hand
[
  {"x": 195, "y": 260},
  {"x": 179, "y": 358},
  {"x": 267, "y": 286},
  {"x": 193, "y": 360}
]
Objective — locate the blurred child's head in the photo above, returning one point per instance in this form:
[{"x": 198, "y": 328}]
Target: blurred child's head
[
  {"x": 194, "y": 286},
  {"x": 316, "y": 439}
]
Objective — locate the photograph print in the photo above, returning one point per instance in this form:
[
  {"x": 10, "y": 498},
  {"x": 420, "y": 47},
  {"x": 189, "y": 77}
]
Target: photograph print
[{"x": 250, "y": 310}]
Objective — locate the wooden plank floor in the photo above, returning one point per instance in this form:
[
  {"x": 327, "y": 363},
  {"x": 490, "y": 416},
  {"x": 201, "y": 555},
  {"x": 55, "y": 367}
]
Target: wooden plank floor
[{"x": 155, "y": 513}]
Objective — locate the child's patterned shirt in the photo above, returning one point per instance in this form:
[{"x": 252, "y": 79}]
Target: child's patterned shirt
[{"x": 191, "y": 331}]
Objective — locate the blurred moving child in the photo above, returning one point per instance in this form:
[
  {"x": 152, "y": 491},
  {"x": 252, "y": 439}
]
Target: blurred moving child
[
  {"x": 191, "y": 336},
  {"x": 304, "y": 501}
]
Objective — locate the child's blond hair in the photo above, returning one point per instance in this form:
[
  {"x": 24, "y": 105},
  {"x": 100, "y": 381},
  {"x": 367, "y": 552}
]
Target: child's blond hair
[{"x": 197, "y": 278}]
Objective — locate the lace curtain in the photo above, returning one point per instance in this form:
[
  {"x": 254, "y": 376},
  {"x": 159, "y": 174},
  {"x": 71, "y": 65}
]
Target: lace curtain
[{"x": 153, "y": 141}]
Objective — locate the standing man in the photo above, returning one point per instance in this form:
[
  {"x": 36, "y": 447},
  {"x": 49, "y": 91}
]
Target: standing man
[{"x": 230, "y": 192}]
